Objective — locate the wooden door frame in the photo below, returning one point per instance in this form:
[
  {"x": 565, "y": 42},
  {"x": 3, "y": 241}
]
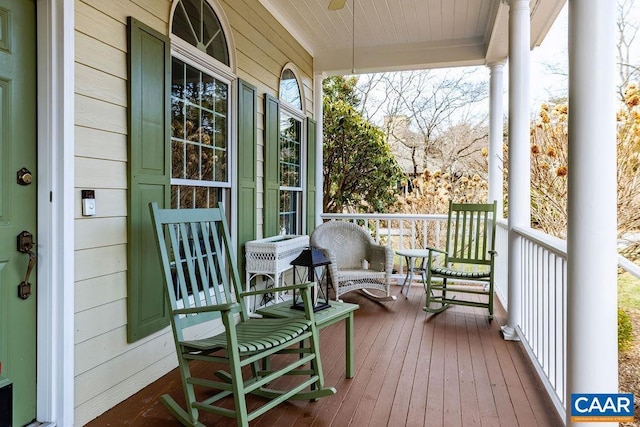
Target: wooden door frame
[{"x": 55, "y": 179}]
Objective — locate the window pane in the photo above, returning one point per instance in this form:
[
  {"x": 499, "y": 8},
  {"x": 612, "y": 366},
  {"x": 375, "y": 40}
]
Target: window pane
[
  {"x": 177, "y": 78},
  {"x": 199, "y": 137},
  {"x": 289, "y": 89},
  {"x": 182, "y": 197},
  {"x": 207, "y": 164},
  {"x": 208, "y": 91},
  {"x": 193, "y": 162},
  {"x": 195, "y": 22},
  {"x": 192, "y": 122},
  {"x": 220, "y": 131},
  {"x": 220, "y": 165},
  {"x": 202, "y": 197},
  {"x": 177, "y": 159},
  {"x": 207, "y": 127},
  {"x": 290, "y": 150},
  {"x": 221, "y": 97},
  {"x": 213, "y": 37},
  {"x": 187, "y": 197},
  {"x": 289, "y": 209},
  {"x": 183, "y": 27},
  {"x": 177, "y": 119},
  {"x": 192, "y": 85}
]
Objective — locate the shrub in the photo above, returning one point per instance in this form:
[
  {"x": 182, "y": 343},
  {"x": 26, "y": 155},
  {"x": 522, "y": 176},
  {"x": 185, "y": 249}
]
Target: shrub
[{"x": 625, "y": 330}]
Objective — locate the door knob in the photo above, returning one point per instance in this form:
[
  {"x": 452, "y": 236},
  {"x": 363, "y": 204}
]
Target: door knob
[{"x": 24, "y": 176}]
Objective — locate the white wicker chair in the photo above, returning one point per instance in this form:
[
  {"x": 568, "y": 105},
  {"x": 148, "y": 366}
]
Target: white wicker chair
[{"x": 357, "y": 262}]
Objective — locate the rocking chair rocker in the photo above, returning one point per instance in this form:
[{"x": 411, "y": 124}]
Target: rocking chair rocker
[{"x": 203, "y": 286}]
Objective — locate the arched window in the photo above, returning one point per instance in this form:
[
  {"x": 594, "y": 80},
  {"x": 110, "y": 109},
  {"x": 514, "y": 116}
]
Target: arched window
[
  {"x": 292, "y": 152},
  {"x": 289, "y": 89},
  {"x": 200, "y": 108},
  {"x": 195, "y": 22}
]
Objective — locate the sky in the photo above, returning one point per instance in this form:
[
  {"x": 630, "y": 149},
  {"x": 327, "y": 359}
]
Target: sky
[
  {"x": 548, "y": 65},
  {"x": 553, "y": 50},
  {"x": 545, "y": 84}
]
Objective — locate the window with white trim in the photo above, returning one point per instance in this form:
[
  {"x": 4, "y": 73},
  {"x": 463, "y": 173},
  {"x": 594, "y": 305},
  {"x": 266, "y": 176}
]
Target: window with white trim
[
  {"x": 200, "y": 108},
  {"x": 292, "y": 151}
]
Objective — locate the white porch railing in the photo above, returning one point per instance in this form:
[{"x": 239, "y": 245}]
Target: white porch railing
[
  {"x": 400, "y": 231},
  {"x": 543, "y": 324},
  {"x": 407, "y": 231},
  {"x": 543, "y": 320}
]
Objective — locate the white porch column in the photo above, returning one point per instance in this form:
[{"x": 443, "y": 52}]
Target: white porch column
[
  {"x": 496, "y": 113},
  {"x": 317, "y": 116},
  {"x": 519, "y": 157},
  {"x": 592, "y": 347}
]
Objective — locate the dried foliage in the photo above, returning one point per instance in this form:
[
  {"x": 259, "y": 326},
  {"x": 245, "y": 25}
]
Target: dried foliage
[
  {"x": 628, "y": 120},
  {"x": 431, "y": 192},
  {"x": 549, "y": 171}
]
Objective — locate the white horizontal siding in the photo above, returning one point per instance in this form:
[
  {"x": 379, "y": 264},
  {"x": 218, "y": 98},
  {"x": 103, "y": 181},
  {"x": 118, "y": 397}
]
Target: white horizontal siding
[
  {"x": 97, "y": 291},
  {"x": 99, "y": 85},
  {"x": 107, "y": 368},
  {"x": 99, "y": 114},
  {"x": 97, "y": 173},
  {"x": 91, "y": 263},
  {"x": 100, "y": 144}
]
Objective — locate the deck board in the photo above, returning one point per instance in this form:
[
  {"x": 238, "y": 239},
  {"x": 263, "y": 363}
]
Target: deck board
[{"x": 412, "y": 369}]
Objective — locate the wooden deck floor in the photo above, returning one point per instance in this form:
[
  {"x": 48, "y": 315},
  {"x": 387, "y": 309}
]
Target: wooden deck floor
[{"x": 412, "y": 369}]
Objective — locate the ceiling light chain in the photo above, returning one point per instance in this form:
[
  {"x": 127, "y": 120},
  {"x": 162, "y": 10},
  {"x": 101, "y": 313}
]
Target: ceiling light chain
[{"x": 353, "y": 38}]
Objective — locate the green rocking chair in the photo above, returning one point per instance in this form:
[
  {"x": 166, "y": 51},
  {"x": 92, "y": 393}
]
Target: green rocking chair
[
  {"x": 203, "y": 287},
  {"x": 468, "y": 258}
]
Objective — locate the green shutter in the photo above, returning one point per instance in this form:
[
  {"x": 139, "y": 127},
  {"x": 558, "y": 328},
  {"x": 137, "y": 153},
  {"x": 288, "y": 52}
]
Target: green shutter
[
  {"x": 271, "y": 165},
  {"x": 149, "y": 175},
  {"x": 247, "y": 164},
  {"x": 311, "y": 175}
]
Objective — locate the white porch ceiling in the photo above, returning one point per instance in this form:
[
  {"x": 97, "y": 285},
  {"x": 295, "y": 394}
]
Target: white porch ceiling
[{"x": 406, "y": 34}]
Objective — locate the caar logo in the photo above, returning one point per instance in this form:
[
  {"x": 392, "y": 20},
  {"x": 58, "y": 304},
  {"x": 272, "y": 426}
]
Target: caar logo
[{"x": 601, "y": 407}]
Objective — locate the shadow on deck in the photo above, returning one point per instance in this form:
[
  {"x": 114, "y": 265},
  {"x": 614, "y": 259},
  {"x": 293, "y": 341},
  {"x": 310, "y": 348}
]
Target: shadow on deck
[{"x": 412, "y": 369}]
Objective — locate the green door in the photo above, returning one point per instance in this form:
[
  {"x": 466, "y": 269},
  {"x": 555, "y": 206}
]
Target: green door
[{"x": 17, "y": 210}]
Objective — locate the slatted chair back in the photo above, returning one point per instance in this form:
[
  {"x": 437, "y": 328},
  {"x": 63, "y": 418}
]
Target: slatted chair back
[
  {"x": 196, "y": 255},
  {"x": 471, "y": 234}
]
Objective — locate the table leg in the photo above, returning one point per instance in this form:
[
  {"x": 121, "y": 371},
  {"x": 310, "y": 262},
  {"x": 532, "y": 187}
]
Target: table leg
[
  {"x": 406, "y": 277},
  {"x": 350, "y": 354},
  {"x": 410, "y": 263}
]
